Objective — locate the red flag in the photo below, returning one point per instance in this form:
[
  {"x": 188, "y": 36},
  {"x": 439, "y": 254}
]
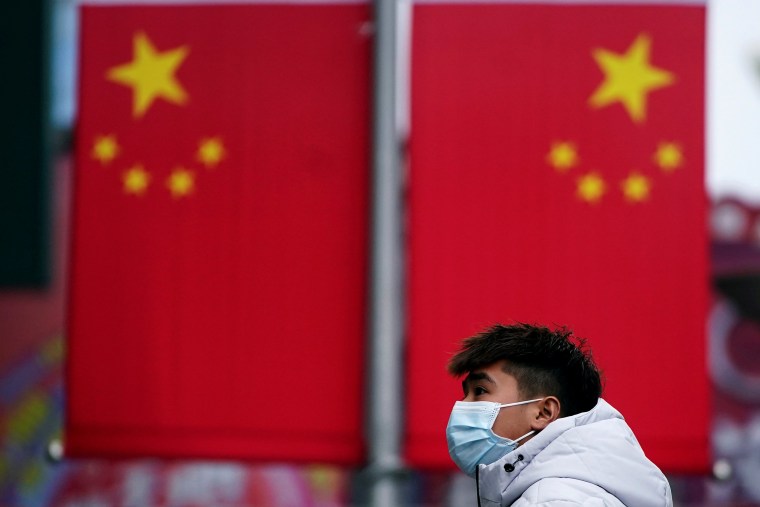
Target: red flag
[
  {"x": 219, "y": 253},
  {"x": 556, "y": 177}
]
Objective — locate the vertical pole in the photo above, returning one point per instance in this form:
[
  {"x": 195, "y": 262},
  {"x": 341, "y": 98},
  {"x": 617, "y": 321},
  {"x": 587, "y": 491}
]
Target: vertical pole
[{"x": 386, "y": 321}]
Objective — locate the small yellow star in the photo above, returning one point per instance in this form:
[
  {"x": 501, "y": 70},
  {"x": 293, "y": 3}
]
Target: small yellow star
[
  {"x": 562, "y": 156},
  {"x": 105, "y": 149},
  {"x": 668, "y": 156},
  {"x": 136, "y": 180},
  {"x": 181, "y": 182},
  {"x": 636, "y": 187},
  {"x": 591, "y": 187},
  {"x": 628, "y": 78},
  {"x": 150, "y": 74},
  {"x": 210, "y": 151}
]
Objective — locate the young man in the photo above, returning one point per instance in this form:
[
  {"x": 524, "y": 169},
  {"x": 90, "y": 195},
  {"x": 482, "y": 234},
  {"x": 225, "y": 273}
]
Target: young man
[{"x": 533, "y": 430}]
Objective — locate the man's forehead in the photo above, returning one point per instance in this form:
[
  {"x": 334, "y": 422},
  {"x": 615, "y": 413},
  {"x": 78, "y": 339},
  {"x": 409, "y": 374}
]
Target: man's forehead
[
  {"x": 479, "y": 375},
  {"x": 492, "y": 370}
]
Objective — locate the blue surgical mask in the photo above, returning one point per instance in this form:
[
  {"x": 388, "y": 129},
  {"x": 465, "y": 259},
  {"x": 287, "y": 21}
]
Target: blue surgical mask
[{"x": 470, "y": 436}]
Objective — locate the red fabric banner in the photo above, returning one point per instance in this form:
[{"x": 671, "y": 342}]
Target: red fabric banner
[
  {"x": 220, "y": 245},
  {"x": 557, "y": 177}
]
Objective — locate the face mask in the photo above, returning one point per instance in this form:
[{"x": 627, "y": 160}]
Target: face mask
[{"x": 471, "y": 440}]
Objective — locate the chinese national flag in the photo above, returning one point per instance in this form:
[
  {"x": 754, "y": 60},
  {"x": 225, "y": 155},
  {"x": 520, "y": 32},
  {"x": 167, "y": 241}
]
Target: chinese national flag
[
  {"x": 557, "y": 177},
  {"x": 219, "y": 251}
]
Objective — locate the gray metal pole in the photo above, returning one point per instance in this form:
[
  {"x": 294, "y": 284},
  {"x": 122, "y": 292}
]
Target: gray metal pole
[{"x": 386, "y": 321}]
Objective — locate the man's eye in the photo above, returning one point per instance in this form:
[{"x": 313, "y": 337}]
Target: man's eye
[{"x": 477, "y": 391}]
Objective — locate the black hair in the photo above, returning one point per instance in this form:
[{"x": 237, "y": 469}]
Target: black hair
[{"x": 545, "y": 362}]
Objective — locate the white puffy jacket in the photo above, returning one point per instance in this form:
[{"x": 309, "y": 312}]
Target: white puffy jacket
[{"x": 589, "y": 459}]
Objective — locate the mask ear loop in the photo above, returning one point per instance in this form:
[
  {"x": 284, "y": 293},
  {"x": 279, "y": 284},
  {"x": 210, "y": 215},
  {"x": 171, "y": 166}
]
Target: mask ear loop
[
  {"x": 519, "y": 403},
  {"x": 527, "y": 434},
  {"x": 514, "y": 405}
]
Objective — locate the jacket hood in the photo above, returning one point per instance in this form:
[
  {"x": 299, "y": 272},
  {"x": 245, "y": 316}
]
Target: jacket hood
[{"x": 596, "y": 447}]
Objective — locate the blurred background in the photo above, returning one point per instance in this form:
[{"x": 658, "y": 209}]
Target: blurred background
[{"x": 33, "y": 310}]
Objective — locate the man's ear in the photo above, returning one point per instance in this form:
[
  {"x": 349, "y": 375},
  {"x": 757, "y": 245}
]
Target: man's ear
[{"x": 548, "y": 411}]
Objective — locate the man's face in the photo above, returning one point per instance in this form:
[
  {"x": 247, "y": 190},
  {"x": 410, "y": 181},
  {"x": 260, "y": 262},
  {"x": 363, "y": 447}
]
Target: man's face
[{"x": 493, "y": 384}]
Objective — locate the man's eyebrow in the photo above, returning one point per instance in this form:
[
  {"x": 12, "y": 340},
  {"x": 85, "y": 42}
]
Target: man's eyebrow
[{"x": 474, "y": 377}]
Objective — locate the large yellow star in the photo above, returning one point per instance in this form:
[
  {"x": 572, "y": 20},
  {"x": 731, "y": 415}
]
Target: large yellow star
[
  {"x": 105, "y": 149},
  {"x": 150, "y": 74},
  {"x": 628, "y": 78},
  {"x": 668, "y": 156},
  {"x": 562, "y": 156},
  {"x": 591, "y": 187},
  {"x": 136, "y": 180},
  {"x": 180, "y": 182},
  {"x": 210, "y": 151},
  {"x": 636, "y": 187}
]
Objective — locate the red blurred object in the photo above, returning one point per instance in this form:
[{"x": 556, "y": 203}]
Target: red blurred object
[
  {"x": 539, "y": 196},
  {"x": 220, "y": 233}
]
